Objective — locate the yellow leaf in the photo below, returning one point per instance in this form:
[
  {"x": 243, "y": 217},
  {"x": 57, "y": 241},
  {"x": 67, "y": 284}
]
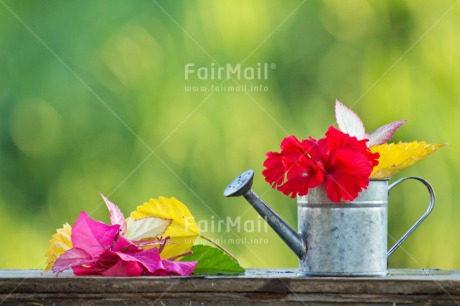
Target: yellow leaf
[
  {"x": 183, "y": 228},
  {"x": 396, "y": 156},
  {"x": 59, "y": 243}
]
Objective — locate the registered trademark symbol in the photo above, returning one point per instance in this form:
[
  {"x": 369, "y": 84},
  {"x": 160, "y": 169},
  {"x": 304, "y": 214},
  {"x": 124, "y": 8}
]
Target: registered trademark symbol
[{"x": 273, "y": 66}]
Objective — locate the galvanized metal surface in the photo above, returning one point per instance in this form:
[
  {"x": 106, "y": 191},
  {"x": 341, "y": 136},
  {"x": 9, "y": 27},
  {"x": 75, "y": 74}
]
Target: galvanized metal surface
[
  {"x": 241, "y": 185},
  {"x": 335, "y": 239},
  {"x": 345, "y": 238},
  {"x": 425, "y": 214}
]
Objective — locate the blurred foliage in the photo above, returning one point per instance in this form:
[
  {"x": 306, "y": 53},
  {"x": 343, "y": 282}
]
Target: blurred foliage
[{"x": 93, "y": 99}]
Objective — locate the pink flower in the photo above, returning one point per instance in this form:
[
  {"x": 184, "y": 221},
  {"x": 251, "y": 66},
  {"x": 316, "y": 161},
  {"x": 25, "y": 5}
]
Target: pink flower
[
  {"x": 340, "y": 162},
  {"x": 99, "y": 249}
]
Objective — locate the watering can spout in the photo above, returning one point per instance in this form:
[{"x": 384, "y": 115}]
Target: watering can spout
[{"x": 241, "y": 186}]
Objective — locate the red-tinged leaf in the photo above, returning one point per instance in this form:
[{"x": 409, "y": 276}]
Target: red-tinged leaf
[
  {"x": 384, "y": 133},
  {"x": 348, "y": 121},
  {"x": 124, "y": 268},
  {"x": 92, "y": 236},
  {"x": 151, "y": 264},
  {"x": 71, "y": 258},
  {"x": 110, "y": 263},
  {"x": 176, "y": 268},
  {"x": 145, "y": 243},
  {"x": 122, "y": 244},
  {"x": 101, "y": 263},
  {"x": 116, "y": 216},
  {"x": 150, "y": 259}
]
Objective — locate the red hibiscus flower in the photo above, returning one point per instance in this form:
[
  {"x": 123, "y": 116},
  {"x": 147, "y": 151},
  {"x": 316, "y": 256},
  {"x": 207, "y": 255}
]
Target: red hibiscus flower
[{"x": 341, "y": 162}]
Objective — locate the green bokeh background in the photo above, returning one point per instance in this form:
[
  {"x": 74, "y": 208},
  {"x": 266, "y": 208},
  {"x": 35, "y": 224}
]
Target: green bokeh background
[{"x": 93, "y": 99}]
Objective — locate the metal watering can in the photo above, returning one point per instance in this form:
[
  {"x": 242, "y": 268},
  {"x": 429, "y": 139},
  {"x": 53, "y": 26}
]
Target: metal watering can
[{"x": 335, "y": 239}]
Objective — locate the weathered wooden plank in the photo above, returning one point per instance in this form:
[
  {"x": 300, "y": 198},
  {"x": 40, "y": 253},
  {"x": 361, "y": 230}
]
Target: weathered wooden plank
[
  {"x": 256, "y": 286},
  {"x": 224, "y": 298}
]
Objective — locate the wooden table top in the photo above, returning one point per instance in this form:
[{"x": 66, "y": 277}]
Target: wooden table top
[{"x": 259, "y": 286}]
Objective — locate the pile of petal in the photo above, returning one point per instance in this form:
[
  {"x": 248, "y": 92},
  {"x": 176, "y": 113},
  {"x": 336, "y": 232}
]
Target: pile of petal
[{"x": 128, "y": 247}]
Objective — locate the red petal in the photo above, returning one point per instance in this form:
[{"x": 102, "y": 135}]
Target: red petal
[
  {"x": 302, "y": 175},
  {"x": 274, "y": 172},
  {"x": 277, "y": 164},
  {"x": 124, "y": 245},
  {"x": 292, "y": 148},
  {"x": 345, "y": 160},
  {"x": 338, "y": 140},
  {"x": 347, "y": 174}
]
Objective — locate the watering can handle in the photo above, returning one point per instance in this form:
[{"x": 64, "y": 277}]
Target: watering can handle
[{"x": 419, "y": 221}]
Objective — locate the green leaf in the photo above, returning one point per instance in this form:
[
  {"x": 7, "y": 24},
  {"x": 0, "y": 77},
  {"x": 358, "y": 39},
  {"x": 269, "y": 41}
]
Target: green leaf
[{"x": 212, "y": 261}]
